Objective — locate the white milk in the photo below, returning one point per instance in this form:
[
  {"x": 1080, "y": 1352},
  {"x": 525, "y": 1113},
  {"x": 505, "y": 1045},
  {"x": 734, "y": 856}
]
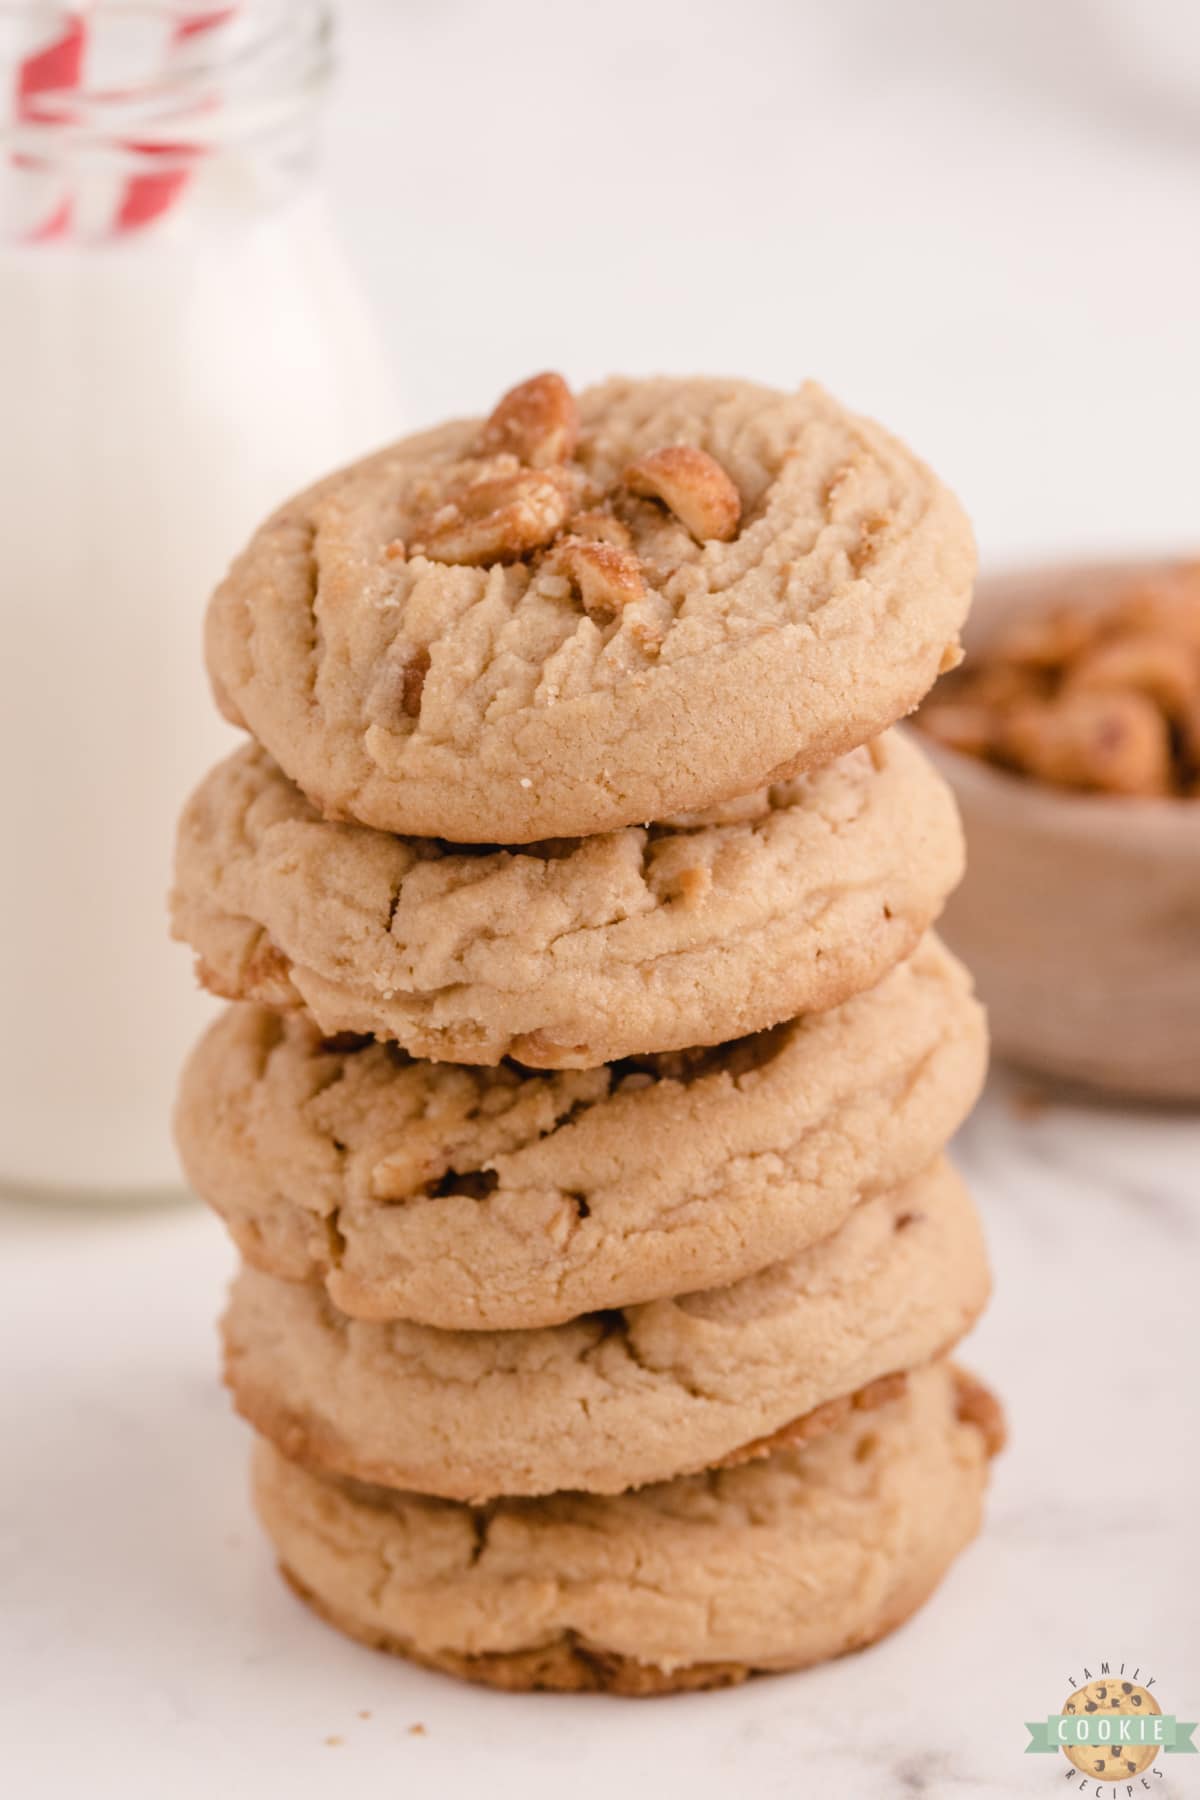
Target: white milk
[{"x": 159, "y": 395}]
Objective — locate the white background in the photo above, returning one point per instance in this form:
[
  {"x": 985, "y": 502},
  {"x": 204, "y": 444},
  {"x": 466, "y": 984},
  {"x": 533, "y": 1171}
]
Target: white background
[
  {"x": 982, "y": 222},
  {"x": 979, "y": 219}
]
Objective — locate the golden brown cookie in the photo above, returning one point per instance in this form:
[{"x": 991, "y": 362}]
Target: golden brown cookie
[
  {"x": 1111, "y": 1761},
  {"x": 559, "y": 622},
  {"x": 612, "y": 1400},
  {"x": 577, "y": 952},
  {"x": 809, "y": 1553},
  {"x": 498, "y": 1198}
]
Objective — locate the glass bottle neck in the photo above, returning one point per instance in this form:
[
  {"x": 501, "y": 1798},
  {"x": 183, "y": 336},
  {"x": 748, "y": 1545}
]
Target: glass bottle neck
[{"x": 130, "y": 118}]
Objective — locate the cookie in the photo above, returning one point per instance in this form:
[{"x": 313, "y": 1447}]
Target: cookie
[
  {"x": 472, "y": 1198},
  {"x": 576, "y": 952},
  {"x": 698, "y": 1582},
  {"x": 561, "y": 621},
  {"x": 1112, "y": 1760},
  {"x": 617, "y": 1399}
]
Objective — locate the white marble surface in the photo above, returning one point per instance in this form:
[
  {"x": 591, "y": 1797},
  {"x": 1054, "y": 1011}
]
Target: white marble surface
[{"x": 147, "y": 1647}]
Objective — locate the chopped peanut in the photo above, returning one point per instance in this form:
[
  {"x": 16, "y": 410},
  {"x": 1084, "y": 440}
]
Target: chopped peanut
[
  {"x": 608, "y": 579},
  {"x": 694, "y": 884},
  {"x": 537, "y": 421},
  {"x": 496, "y": 518},
  {"x": 1104, "y": 699},
  {"x": 602, "y": 527},
  {"x": 1114, "y": 743},
  {"x": 694, "y": 486},
  {"x": 1051, "y": 641},
  {"x": 1166, "y": 671}
]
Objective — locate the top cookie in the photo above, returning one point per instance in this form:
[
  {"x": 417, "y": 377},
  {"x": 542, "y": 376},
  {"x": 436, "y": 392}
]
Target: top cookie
[{"x": 565, "y": 619}]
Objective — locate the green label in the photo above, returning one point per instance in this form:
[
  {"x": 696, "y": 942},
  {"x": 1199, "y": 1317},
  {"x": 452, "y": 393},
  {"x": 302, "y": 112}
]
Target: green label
[{"x": 1135, "y": 1730}]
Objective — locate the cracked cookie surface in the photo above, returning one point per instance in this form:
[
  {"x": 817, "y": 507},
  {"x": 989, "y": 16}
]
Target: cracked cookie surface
[
  {"x": 561, "y": 621},
  {"x": 777, "y": 1564},
  {"x": 472, "y": 1198},
  {"x": 611, "y": 1400},
  {"x": 574, "y": 952}
]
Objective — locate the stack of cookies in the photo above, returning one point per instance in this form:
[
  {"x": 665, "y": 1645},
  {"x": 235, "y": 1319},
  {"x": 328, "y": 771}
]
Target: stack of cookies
[{"x": 580, "y": 1113}]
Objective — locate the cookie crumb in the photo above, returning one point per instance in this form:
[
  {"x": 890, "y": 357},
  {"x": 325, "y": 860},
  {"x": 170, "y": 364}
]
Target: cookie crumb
[
  {"x": 417, "y": 1731},
  {"x": 364, "y": 1715},
  {"x": 334, "y": 1742}
]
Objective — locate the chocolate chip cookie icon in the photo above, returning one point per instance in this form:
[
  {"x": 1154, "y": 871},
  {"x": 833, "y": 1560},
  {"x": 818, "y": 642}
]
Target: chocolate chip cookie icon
[{"x": 1111, "y": 1760}]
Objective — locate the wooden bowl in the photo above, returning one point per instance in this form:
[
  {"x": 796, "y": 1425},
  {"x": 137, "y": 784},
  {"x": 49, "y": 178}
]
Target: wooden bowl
[{"x": 1079, "y": 914}]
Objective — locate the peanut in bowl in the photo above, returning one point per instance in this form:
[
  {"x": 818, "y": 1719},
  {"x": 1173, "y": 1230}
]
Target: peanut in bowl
[{"x": 1071, "y": 737}]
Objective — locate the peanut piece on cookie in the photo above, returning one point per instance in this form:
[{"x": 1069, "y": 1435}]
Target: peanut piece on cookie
[
  {"x": 693, "y": 485},
  {"x": 608, "y": 579},
  {"x": 537, "y": 421},
  {"x": 601, "y": 527},
  {"x": 977, "y": 1405},
  {"x": 497, "y": 518},
  {"x": 694, "y": 884}
]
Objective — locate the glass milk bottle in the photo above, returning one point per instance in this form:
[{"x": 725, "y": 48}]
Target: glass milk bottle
[{"x": 181, "y": 346}]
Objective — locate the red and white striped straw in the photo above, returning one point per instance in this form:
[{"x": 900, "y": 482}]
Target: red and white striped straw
[
  {"x": 55, "y": 66},
  {"x": 151, "y": 193},
  {"x": 51, "y": 67}
]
